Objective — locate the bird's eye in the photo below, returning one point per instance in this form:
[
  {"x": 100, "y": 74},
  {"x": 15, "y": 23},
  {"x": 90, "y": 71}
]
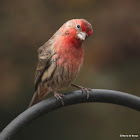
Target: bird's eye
[{"x": 78, "y": 26}]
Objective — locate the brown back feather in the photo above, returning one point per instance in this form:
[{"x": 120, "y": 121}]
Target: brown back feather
[{"x": 45, "y": 54}]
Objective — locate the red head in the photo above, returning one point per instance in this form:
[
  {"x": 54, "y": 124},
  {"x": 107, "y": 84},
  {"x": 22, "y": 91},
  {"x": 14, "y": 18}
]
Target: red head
[
  {"x": 77, "y": 28},
  {"x": 68, "y": 42}
]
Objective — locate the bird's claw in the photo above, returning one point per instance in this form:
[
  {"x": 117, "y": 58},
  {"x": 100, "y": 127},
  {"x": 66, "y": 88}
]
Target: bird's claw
[
  {"x": 85, "y": 90},
  {"x": 59, "y": 96}
]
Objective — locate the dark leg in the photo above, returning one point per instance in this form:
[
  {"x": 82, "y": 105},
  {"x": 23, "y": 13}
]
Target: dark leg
[{"x": 82, "y": 88}]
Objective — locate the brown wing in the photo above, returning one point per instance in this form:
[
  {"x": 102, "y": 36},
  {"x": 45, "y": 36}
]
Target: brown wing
[{"x": 45, "y": 54}]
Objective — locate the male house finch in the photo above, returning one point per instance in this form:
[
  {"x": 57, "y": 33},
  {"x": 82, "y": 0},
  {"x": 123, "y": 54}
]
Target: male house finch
[{"x": 60, "y": 59}]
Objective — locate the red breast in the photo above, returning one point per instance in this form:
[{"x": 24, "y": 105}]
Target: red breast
[{"x": 70, "y": 51}]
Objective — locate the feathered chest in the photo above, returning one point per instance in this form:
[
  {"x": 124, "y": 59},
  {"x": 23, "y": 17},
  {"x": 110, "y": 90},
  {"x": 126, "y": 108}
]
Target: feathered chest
[
  {"x": 68, "y": 62},
  {"x": 69, "y": 52}
]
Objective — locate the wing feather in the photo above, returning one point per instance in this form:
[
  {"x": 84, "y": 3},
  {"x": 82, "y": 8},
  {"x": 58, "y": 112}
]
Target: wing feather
[{"x": 45, "y": 54}]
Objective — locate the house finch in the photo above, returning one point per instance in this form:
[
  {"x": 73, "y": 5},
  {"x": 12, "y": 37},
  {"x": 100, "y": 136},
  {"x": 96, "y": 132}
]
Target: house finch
[{"x": 60, "y": 59}]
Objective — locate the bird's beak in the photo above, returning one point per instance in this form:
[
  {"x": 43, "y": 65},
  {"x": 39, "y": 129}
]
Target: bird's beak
[{"x": 82, "y": 35}]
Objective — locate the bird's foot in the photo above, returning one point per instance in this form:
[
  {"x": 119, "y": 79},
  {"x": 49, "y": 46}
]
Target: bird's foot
[
  {"x": 83, "y": 89},
  {"x": 59, "y": 97}
]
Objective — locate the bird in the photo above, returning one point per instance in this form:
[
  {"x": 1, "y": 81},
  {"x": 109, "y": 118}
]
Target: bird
[{"x": 60, "y": 60}]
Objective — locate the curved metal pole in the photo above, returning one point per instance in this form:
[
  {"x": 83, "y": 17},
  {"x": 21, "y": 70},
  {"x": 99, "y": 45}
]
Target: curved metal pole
[{"x": 50, "y": 104}]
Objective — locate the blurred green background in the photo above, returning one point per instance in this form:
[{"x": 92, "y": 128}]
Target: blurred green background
[{"x": 112, "y": 61}]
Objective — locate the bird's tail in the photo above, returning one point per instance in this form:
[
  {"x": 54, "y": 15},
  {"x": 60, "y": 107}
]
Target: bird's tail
[{"x": 35, "y": 100}]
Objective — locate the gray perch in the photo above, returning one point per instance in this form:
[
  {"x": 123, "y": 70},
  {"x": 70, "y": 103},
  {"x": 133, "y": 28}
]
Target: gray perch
[{"x": 50, "y": 104}]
